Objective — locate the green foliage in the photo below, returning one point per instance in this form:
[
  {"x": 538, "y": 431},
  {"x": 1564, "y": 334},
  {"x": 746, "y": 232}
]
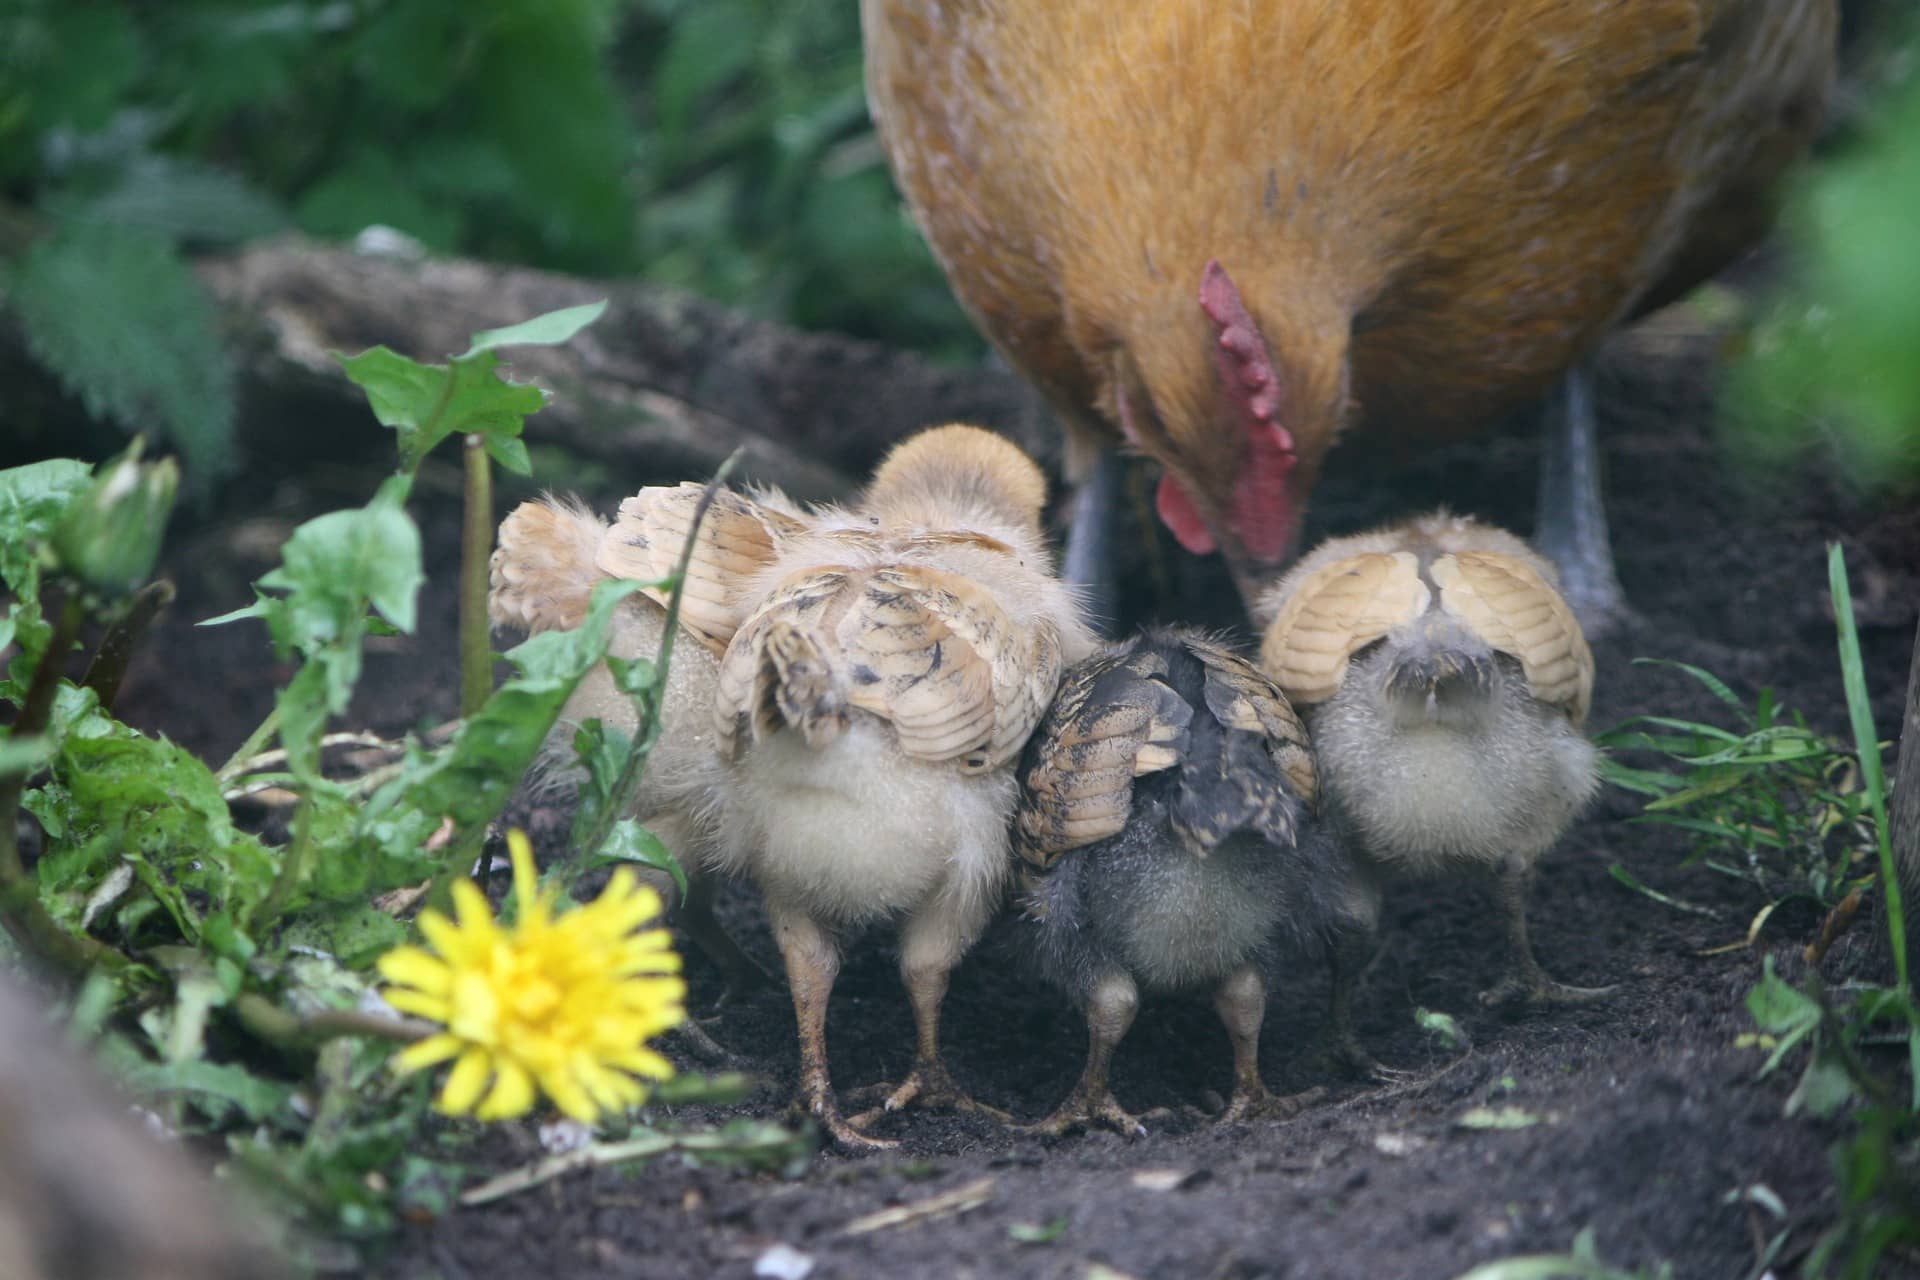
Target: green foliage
[
  {"x": 426, "y": 403},
  {"x": 234, "y": 957},
  {"x": 1581, "y": 1262},
  {"x": 116, "y": 314},
  {"x": 1768, "y": 802},
  {"x": 1835, "y": 358}
]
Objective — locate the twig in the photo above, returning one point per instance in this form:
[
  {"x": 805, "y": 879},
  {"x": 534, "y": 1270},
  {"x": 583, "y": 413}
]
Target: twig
[
  {"x": 278, "y": 755},
  {"x": 21, "y": 910},
  {"x": 771, "y": 1138},
  {"x": 959, "y": 1200},
  {"x": 109, "y": 665}
]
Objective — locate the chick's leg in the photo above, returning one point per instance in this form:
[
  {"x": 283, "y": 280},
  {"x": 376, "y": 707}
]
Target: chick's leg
[
  {"x": 1571, "y": 526},
  {"x": 931, "y": 944},
  {"x": 1111, "y": 1005},
  {"x": 813, "y": 962},
  {"x": 1526, "y": 979},
  {"x": 1241, "y": 1002},
  {"x": 1350, "y": 952}
]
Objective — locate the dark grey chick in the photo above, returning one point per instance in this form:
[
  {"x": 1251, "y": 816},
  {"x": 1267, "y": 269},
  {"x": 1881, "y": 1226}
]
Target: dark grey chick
[{"x": 1165, "y": 843}]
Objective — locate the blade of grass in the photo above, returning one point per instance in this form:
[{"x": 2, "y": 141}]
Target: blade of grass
[{"x": 1860, "y": 711}]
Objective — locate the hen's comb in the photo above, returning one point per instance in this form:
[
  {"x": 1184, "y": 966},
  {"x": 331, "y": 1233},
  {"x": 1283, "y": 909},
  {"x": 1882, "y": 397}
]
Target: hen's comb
[{"x": 1245, "y": 365}]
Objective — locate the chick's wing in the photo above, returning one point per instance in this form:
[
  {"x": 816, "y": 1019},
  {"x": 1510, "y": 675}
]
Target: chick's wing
[
  {"x": 1245, "y": 701},
  {"x": 932, "y": 653},
  {"x": 1336, "y": 612},
  {"x": 542, "y": 569},
  {"x": 1114, "y": 719},
  {"x": 1517, "y": 611},
  {"x": 737, "y": 538}
]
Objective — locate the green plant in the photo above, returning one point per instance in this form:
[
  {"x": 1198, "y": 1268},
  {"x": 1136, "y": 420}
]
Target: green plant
[
  {"x": 1767, "y": 802},
  {"x": 1833, "y": 358},
  {"x": 220, "y": 973},
  {"x": 1791, "y": 812},
  {"x": 1581, "y": 1262}
]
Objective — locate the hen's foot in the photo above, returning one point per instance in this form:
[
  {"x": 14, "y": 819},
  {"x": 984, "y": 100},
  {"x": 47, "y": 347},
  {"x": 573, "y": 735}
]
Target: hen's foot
[
  {"x": 1260, "y": 1103},
  {"x": 927, "y": 1086}
]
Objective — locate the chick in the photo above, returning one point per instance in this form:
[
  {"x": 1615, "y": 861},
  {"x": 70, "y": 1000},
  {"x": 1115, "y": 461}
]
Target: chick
[
  {"x": 1445, "y": 682},
  {"x": 1165, "y": 841},
  {"x": 872, "y": 706},
  {"x": 550, "y": 555}
]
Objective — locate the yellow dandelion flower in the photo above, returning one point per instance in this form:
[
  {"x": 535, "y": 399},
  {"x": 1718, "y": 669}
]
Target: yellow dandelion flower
[{"x": 561, "y": 1003}]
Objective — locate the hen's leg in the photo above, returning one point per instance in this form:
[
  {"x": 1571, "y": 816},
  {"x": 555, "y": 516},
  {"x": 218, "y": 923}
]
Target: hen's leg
[
  {"x": 1571, "y": 526},
  {"x": 1110, "y": 1009},
  {"x": 1089, "y": 562},
  {"x": 931, "y": 944},
  {"x": 1241, "y": 1002},
  {"x": 1526, "y": 979},
  {"x": 813, "y": 962}
]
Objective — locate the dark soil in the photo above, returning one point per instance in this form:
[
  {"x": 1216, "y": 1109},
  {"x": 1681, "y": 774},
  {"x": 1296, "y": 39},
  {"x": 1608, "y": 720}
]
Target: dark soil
[{"x": 1649, "y": 1115}]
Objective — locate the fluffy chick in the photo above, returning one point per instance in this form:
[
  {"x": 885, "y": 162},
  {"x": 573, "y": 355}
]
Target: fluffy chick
[
  {"x": 550, "y": 555},
  {"x": 1445, "y": 682},
  {"x": 1165, "y": 842},
  {"x": 872, "y": 706}
]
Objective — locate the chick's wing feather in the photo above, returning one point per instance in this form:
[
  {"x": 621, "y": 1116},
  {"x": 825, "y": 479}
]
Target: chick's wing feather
[
  {"x": 1245, "y": 701},
  {"x": 737, "y": 538},
  {"x": 1114, "y": 719},
  {"x": 1335, "y": 613},
  {"x": 932, "y": 653},
  {"x": 542, "y": 570},
  {"x": 1517, "y": 611}
]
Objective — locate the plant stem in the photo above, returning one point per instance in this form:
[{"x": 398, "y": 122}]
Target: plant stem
[
  {"x": 476, "y": 546},
  {"x": 236, "y": 763},
  {"x": 270, "y": 1022},
  {"x": 21, "y": 910},
  {"x": 620, "y": 801},
  {"x": 109, "y": 665},
  {"x": 293, "y": 868}
]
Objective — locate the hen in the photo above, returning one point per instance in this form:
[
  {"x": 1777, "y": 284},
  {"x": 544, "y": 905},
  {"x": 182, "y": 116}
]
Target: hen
[
  {"x": 1224, "y": 234},
  {"x": 1165, "y": 842},
  {"x": 871, "y": 707}
]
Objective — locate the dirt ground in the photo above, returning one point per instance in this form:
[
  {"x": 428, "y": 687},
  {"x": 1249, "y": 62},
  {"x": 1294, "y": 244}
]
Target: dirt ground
[{"x": 1650, "y": 1119}]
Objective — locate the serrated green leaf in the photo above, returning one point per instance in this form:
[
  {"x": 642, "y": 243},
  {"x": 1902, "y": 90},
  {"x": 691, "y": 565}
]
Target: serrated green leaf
[
  {"x": 32, "y": 499},
  {"x": 214, "y": 1086},
  {"x": 471, "y": 778},
  {"x": 181, "y": 200},
  {"x": 351, "y": 932},
  {"x": 121, "y": 321},
  {"x": 553, "y": 329},
  {"x": 426, "y": 403},
  {"x": 628, "y": 841}
]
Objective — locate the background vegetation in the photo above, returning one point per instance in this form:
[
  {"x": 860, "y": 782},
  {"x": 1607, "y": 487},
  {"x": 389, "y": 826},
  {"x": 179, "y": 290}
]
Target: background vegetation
[{"x": 718, "y": 145}]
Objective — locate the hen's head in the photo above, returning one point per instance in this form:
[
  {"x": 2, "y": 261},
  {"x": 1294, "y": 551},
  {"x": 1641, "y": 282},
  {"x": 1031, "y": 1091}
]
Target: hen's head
[{"x": 1239, "y": 434}]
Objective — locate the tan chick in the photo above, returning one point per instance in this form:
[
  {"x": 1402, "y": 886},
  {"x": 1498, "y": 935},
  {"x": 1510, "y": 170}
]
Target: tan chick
[
  {"x": 1445, "y": 682},
  {"x": 872, "y": 706},
  {"x": 550, "y": 556}
]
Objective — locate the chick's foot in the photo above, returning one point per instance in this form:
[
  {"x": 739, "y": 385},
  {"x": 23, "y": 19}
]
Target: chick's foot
[
  {"x": 1088, "y": 1108},
  {"x": 820, "y": 1104},
  {"x": 927, "y": 1086},
  {"x": 1348, "y": 1056},
  {"x": 1260, "y": 1103}
]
